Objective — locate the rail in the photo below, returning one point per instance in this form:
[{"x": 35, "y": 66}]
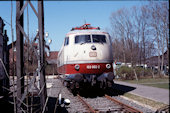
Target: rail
[
  {"x": 128, "y": 108},
  {"x": 164, "y": 109},
  {"x": 124, "y": 106},
  {"x": 86, "y": 104}
]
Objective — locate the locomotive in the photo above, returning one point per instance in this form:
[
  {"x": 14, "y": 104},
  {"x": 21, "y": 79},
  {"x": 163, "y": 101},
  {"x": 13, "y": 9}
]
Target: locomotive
[{"x": 85, "y": 58}]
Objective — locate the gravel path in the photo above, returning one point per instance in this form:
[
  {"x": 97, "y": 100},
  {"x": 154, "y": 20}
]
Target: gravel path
[{"x": 153, "y": 93}]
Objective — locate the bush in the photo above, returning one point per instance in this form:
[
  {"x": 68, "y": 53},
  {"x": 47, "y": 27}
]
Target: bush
[
  {"x": 125, "y": 73},
  {"x": 142, "y": 72}
]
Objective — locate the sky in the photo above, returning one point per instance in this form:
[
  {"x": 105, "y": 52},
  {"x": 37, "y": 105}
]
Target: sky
[{"x": 61, "y": 16}]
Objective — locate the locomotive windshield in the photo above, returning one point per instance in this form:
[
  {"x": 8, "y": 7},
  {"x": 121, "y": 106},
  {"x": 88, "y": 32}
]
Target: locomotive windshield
[
  {"x": 99, "y": 38},
  {"x": 87, "y": 39},
  {"x": 82, "y": 39}
]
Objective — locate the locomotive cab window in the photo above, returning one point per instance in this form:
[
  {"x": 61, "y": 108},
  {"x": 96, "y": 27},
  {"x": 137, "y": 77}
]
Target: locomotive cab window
[
  {"x": 82, "y": 39},
  {"x": 99, "y": 38},
  {"x": 66, "y": 42}
]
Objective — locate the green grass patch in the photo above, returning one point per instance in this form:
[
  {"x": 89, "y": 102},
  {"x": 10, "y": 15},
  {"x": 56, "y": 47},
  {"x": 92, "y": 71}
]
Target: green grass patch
[
  {"x": 157, "y": 82},
  {"x": 148, "y": 80},
  {"x": 145, "y": 101},
  {"x": 160, "y": 85}
]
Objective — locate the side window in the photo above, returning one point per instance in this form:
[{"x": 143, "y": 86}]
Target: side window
[
  {"x": 66, "y": 42},
  {"x": 110, "y": 40}
]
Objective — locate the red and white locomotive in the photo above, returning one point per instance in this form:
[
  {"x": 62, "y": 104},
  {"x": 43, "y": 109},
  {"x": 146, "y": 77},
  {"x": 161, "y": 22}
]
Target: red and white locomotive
[{"x": 86, "y": 58}]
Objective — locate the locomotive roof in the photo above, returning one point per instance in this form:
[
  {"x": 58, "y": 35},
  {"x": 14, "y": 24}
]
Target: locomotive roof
[{"x": 87, "y": 31}]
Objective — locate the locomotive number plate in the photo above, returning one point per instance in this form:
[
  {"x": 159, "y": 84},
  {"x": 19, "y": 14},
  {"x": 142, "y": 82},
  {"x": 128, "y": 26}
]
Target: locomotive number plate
[
  {"x": 93, "y": 66},
  {"x": 92, "y": 54}
]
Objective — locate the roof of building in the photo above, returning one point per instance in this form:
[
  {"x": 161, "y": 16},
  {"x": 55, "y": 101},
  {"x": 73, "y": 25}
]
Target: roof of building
[
  {"x": 153, "y": 61},
  {"x": 52, "y": 58}
]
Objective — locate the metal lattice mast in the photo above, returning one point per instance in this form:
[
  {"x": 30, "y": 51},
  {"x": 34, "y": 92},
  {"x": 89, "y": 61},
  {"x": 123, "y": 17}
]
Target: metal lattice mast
[
  {"x": 19, "y": 56},
  {"x": 21, "y": 92},
  {"x": 43, "y": 94}
]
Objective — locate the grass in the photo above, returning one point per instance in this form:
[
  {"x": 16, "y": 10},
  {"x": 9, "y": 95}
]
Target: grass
[
  {"x": 145, "y": 101},
  {"x": 149, "y": 80},
  {"x": 161, "y": 85},
  {"x": 157, "y": 82}
]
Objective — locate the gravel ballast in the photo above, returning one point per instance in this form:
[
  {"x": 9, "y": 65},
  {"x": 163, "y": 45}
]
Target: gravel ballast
[{"x": 98, "y": 103}]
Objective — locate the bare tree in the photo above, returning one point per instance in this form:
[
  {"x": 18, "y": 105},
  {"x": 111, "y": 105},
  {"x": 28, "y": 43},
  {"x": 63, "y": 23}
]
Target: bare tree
[
  {"x": 117, "y": 22},
  {"x": 137, "y": 26},
  {"x": 164, "y": 15},
  {"x": 137, "y": 31},
  {"x": 160, "y": 24}
]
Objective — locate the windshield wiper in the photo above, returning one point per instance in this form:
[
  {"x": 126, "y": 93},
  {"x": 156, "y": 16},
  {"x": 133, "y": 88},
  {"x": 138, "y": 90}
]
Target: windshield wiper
[{"x": 82, "y": 43}]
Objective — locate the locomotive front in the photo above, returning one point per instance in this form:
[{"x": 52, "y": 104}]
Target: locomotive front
[{"x": 87, "y": 58}]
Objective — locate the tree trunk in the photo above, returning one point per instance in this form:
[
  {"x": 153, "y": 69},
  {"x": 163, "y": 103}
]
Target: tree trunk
[
  {"x": 158, "y": 43},
  {"x": 135, "y": 74},
  {"x": 153, "y": 75},
  {"x": 162, "y": 61},
  {"x": 162, "y": 48},
  {"x": 158, "y": 58}
]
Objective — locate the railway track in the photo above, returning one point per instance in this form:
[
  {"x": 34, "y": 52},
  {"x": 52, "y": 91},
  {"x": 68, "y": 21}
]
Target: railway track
[
  {"x": 89, "y": 108},
  {"x": 96, "y": 103},
  {"x": 164, "y": 109},
  {"x": 112, "y": 106}
]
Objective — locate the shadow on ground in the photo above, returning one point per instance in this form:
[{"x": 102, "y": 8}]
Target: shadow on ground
[
  {"x": 52, "y": 108},
  {"x": 7, "y": 107},
  {"x": 116, "y": 90}
]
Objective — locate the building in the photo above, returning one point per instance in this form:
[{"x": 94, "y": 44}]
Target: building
[
  {"x": 152, "y": 63},
  {"x": 51, "y": 60},
  {"x": 52, "y": 63}
]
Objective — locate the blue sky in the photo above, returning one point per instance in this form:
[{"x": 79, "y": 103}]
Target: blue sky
[{"x": 61, "y": 16}]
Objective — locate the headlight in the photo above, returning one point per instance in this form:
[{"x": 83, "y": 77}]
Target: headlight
[
  {"x": 108, "y": 66},
  {"x": 77, "y": 67}
]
